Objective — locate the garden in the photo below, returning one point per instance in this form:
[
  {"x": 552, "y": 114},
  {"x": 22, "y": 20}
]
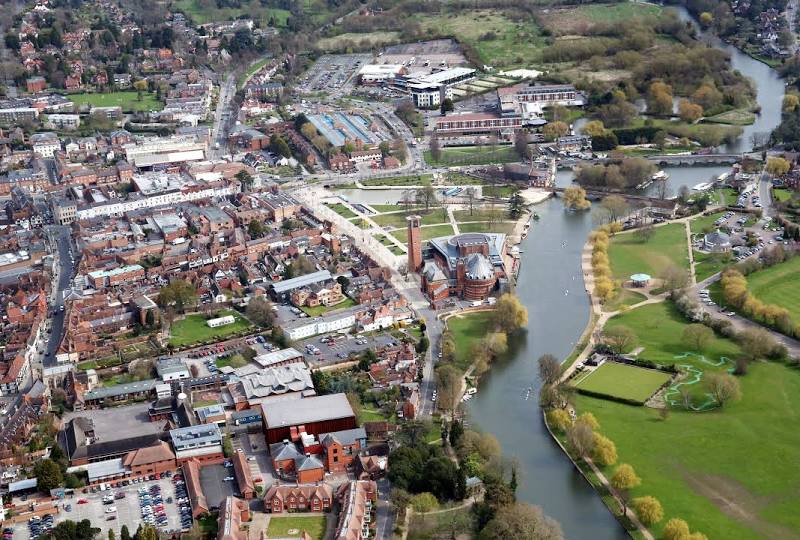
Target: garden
[
  {"x": 193, "y": 328},
  {"x": 128, "y": 100},
  {"x": 622, "y": 381},
  {"x": 293, "y": 526}
]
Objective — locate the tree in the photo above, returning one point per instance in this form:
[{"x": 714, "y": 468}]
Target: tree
[
  {"x": 456, "y": 432},
  {"x": 644, "y": 233},
  {"x": 140, "y": 86},
  {"x": 723, "y": 387},
  {"x": 71, "y": 530},
  {"x": 620, "y": 338},
  {"x": 648, "y": 509},
  {"x": 520, "y": 521},
  {"x": 659, "y": 99},
  {"x": 707, "y": 96},
  {"x": 673, "y": 277},
  {"x": 676, "y": 529},
  {"x": 447, "y": 106},
  {"x": 470, "y": 193},
  {"x": 256, "y": 228},
  {"x": 615, "y": 207},
  {"x": 435, "y": 148},
  {"x": 623, "y": 480},
  {"x": 179, "y": 293},
  {"x": 124, "y": 533},
  {"x": 48, "y": 475},
  {"x": 516, "y": 205},
  {"x": 448, "y": 385},
  {"x": 521, "y": 143},
  {"x": 604, "y": 452},
  {"x": 590, "y": 420},
  {"x": 245, "y": 178},
  {"x": 575, "y": 198},
  {"x": 559, "y": 420},
  {"x": 554, "y": 130},
  {"x": 706, "y": 19},
  {"x": 580, "y": 439},
  {"x": 790, "y": 103},
  {"x": 697, "y": 336},
  {"x": 259, "y": 311},
  {"x": 605, "y": 141},
  {"x": 111, "y": 535},
  {"x": 593, "y": 128},
  {"x": 756, "y": 343},
  {"x": 549, "y": 369},
  {"x": 424, "y": 502},
  {"x": 777, "y": 166},
  {"x": 689, "y": 112},
  {"x": 509, "y": 314},
  {"x": 278, "y": 145},
  {"x": 426, "y": 195}
]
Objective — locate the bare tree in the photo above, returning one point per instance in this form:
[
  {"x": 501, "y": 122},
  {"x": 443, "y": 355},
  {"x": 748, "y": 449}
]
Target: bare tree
[
  {"x": 723, "y": 387},
  {"x": 620, "y": 338},
  {"x": 436, "y": 150},
  {"x": 580, "y": 438},
  {"x": 549, "y": 368},
  {"x": 470, "y": 193}
]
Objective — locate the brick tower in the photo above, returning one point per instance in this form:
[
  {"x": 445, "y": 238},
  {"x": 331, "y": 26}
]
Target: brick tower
[{"x": 414, "y": 244}]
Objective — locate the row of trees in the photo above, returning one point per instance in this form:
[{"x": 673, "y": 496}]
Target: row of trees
[
  {"x": 623, "y": 174},
  {"x": 736, "y": 294},
  {"x": 604, "y": 285}
]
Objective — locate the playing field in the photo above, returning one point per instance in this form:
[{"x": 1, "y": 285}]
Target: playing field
[
  {"x": 778, "y": 285},
  {"x": 666, "y": 247},
  {"x": 193, "y": 329},
  {"x": 293, "y": 526},
  {"x": 129, "y": 101},
  {"x": 623, "y": 381}
]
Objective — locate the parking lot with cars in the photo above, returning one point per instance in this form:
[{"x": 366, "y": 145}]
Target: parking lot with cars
[
  {"x": 114, "y": 507},
  {"x": 749, "y": 235},
  {"x": 335, "y": 348},
  {"x": 332, "y": 73}
]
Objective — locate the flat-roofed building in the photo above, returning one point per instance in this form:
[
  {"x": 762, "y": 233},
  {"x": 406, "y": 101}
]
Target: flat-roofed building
[
  {"x": 201, "y": 442},
  {"x": 311, "y": 415},
  {"x": 371, "y": 74},
  {"x": 281, "y": 290},
  {"x": 160, "y": 151},
  {"x": 282, "y": 357},
  {"x": 481, "y": 123}
]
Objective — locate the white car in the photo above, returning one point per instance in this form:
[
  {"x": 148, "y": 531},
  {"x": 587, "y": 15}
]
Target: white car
[
  {"x": 111, "y": 509},
  {"x": 228, "y": 479}
]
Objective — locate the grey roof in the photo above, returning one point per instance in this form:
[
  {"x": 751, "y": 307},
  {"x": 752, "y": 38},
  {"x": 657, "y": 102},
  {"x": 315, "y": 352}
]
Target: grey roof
[
  {"x": 478, "y": 267},
  {"x": 170, "y": 365},
  {"x": 447, "y": 246},
  {"x": 22, "y": 485},
  {"x": 310, "y": 409},
  {"x": 289, "y": 285},
  {"x": 104, "y": 469},
  {"x": 433, "y": 273},
  {"x": 193, "y": 436},
  {"x": 281, "y": 451},
  {"x": 345, "y": 437},
  {"x": 121, "y": 389},
  {"x": 307, "y": 463},
  {"x": 275, "y": 357},
  {"x": 260, "y": 383},
  {"x": 717, "y": 237}
]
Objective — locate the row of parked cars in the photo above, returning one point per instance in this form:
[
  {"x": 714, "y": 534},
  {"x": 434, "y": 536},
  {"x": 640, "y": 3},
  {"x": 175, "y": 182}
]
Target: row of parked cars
[
  {"x": 152, "y": 507},
  {"x": 182, "y": 498},
  {"x": 39, "y": 526}
]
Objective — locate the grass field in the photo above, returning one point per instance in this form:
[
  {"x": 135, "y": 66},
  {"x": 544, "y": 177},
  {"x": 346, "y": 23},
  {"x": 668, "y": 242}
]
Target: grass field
[
  {"x": 725, "y": 472},
  {"x": 127, "y": 100},
  {"x": 736, "y": 117},
  {"x": 467, "y": 330},
  {"x": 342, "y": 41},
  {"x": 573, "y": 20},
  {"x": 433, "y": 217},
  {"x": 280, "y": 526},
  {"x": 425, "y": 233},
  {"x": 473, "y": 155},
  {"x": 201, "y": 14},
  {"x": 501, "y": 40},
  {"x": 623, "y": 381},
  {"x": 778, "y": 285},
  {"x": 411, "y": 180},
  {"x": 319, "y": 310},
  {"x": 498, "y": 191},
  {"x": 480, "y": 214},
  {"x": 782, "y": 195},
  {"x": 704, "y": 224},
  {"x": 193, "y": 329},
  {"x": 342, "y": 210},
  {"x": 666, "y": 247},
  {"x": 708, "y": 264},
  {"x": 505, "y": 227},
  {"x": 624, "y": 297}
]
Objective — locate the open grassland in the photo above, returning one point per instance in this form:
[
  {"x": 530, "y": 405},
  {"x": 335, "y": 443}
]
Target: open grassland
[
  {"x": 293, "y": 526},
  {"x": 342, "y": 210},
  {"x": 500, "y": 39},
  {"x": 708, "y": 264},
  {"x": 736, "y": 117},
  {"x": 704, "y": 224},
  {"x": 370, "y": 39},
  {"x": 505, "y": 227},
  {"x": 202, "y": 13},
  {"x": 129, "y": 101},
  {"x": 726, "y": 472},
  {"x": 316, "y": 311},
  {"x": 782, "y": 195},
  {"x": 623, "y": 298},
  {"x": 425, "y": 233},
  {"x": 666, "y": 247},
  {"x": 468, "y": 329},
  {"x": 576, "y": 20},
  {"x": 779, "y": 285},
  {"x": 412, "y": 180},
  {"x": 398, "y": 220},
  {"x": 473, "y": 155},
  {"x": 193, "y": 329},
  {"x": 623, "y": 381}
]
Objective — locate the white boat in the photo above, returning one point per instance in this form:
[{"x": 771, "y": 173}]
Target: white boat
[{"x": 660, "y": 175}]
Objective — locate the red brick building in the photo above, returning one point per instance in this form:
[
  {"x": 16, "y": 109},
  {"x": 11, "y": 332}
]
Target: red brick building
[
  {"x": 302, "y": 498},
  {"x": 311, "y": 415},
  {"x": 151, "y": 460},
  {"x": 414, "y": 244},
  {"x": 244, "y": 478}
]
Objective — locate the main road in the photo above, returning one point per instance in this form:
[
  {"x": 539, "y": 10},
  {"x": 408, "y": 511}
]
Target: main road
[{"x": 64, "y": 269}]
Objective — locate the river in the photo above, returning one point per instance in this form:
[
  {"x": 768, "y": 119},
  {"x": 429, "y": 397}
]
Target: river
[{"x": 551, "y": 287}]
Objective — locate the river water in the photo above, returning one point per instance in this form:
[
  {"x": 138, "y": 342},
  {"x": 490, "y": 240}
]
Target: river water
[{"x": 551, "y": 287}]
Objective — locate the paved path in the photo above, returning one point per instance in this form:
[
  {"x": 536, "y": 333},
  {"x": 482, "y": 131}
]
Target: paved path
[
  {"x": 628, "y": 512},
  {"x": 453, "y": 221}
]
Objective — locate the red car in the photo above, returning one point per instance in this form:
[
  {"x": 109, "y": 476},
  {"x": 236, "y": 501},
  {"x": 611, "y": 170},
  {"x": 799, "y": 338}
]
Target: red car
[{"x": 82, "y": 501}]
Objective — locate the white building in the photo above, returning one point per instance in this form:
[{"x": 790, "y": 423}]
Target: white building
[
  {"x": 380, "y": 73},
  {"x": 311, "y": 327},
  {"x": 64, "y": 121},
  {"x": 45, "y": 144},
  {"x": 159, "y": 151},
  {"x": 220, "y": 321}
]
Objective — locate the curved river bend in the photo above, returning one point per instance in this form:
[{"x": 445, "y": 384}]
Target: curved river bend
[{"x": 551, "y": 286}]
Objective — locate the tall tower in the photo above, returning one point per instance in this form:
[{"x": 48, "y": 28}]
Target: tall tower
[{"x": 414, "y": 244}]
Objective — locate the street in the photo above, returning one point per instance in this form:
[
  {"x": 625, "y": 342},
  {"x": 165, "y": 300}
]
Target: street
[{"x": 64, "y": 268}]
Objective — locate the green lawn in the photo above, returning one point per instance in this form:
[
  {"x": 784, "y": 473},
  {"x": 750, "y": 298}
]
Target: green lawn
[
  {"x": 480, "y": 214},
  {"x": 398, "y": 220},
  {"x": 127, "y": 100},
  {"x": 725, "y": 472},
  {"x": 426, "y": 233},
  {"x": 708, "y": 264},
  {"x": 319, "y": 310},
  {"x": 342, "y": 210},
  {"x": 193, "y": 329},
  {"x": 204, "y": 12},
  {"x": 234, "y": 361},
  {"x": 624, "y": 297},
  {"x": 778, "y": 285},
  {"x": 703, "y": 224},
  {"x": 392, "y": 207},
  {"x": 412, "y": 180},
  {"x": 623, "y": 381},
  {"x": 782, "y": 195},
  {"x": 736, "y": 117},
  {"x": 367, "y": 414},
  {"x": 728, "y": 196},
  {"x": 473, "y": 155},
  {"x": 467, "y": 330},
  {"x": 505, "y": 227},
  {"x": 666, "y": 247},
  {"x": 280, "y": 526},
  {"x": 498, "y": 191},
  {"x": 255, "y": 66}
]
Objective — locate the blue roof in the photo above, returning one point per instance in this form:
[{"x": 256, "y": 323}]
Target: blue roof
[{"x": 640, "y": 277}]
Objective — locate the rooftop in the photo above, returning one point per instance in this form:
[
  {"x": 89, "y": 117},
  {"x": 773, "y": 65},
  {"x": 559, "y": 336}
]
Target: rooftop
[
  {"x": 311, "y": 409},
  {"x": 288, "y": 285}
]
